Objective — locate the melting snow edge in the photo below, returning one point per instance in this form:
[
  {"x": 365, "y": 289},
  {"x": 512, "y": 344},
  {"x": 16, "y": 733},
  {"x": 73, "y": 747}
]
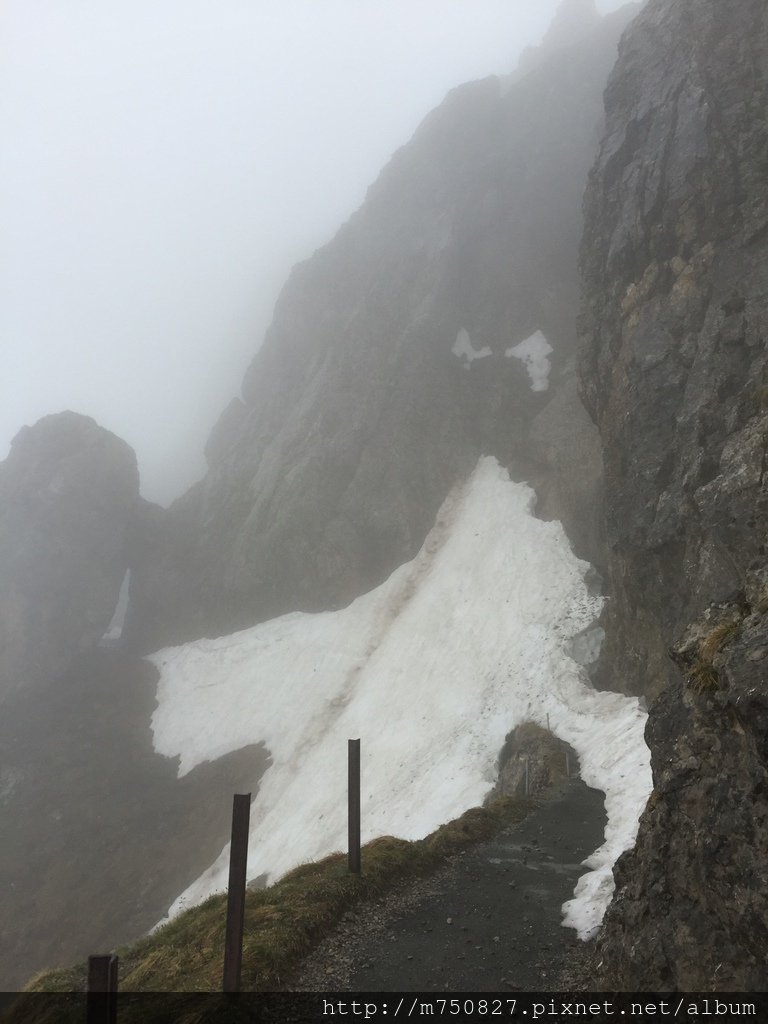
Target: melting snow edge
[{"x": 431, "y": 669}]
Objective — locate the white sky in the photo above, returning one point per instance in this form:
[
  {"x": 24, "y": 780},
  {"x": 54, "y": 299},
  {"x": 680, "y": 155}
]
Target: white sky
[{"x": 163, "y": 163}]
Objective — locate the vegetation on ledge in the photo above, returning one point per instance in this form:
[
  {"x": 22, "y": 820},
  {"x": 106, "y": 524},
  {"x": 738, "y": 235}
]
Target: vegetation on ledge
[{"x": 283, "y": 921}]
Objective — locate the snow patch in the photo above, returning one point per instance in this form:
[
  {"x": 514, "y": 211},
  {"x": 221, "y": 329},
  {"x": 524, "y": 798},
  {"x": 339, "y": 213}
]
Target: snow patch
[
  {"x": 114, "y": 631},
  {"x": 462, "y": 348},
  {"x": 431, "y": 670},
  {"x": 534, "y": 352}
]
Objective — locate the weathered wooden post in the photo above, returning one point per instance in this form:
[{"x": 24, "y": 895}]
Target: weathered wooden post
[
  {"x": 353, "y": 792},
  {"x": 238, "y": 864},
  {"x": 101, "y": 989}
]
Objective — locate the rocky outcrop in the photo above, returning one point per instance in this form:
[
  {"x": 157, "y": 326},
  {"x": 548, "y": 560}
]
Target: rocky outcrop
[
  {"x": 531, "y": 760},
  {"x": 691, "y": 910},
  {"x": 387, "y": 370},
  {"x": 68, "y": 492},
  {"x": 574, "y": 19},
  {"x": 674, "y": 364}
]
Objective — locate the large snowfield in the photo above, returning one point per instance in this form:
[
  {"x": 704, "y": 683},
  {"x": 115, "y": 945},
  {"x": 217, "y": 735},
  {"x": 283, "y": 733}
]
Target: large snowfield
[{"x": 430, "y": 670}]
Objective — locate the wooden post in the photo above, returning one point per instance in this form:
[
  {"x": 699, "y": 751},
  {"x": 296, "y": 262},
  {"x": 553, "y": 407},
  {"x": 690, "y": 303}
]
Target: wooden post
[
  {"x": 353, "y": 793},
  {"x": 527, "y": 790},
  {"x": 238, "y": 863},
  {"x": 101, "y": 999}
]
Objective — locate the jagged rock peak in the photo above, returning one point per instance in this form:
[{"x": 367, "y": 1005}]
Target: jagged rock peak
[
  {"x": 60, "y": 436},
  {"x": 69, "y": 490},
  {"x": 573, "y": 19}
]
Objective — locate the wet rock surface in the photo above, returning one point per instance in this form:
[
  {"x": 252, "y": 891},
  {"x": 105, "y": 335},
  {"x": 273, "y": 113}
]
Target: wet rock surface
[
  {"x": 691, "y": 909},
  {"x": 489, "y": 921},
  {"x": 673, "y": 360},
  {"x": 674, "y": 368}
]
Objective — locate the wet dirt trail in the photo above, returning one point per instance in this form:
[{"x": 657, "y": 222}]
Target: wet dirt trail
[{"x": 489, "y": 921}]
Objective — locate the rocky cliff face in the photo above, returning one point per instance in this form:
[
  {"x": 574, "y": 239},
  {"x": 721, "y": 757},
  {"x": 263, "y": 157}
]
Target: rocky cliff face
[
  {"x": 675, "y": 260},
  {"x": 691, "y": 908},
  {"x": 68, "y": 492},
  {"x": 387, "y": 370},
  {"x": 674, "y": 328}
]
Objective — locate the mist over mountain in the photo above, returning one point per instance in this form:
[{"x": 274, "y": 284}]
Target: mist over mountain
[
  {"x": 498, "y": 463},
  {"x": 163, "y": 167},
  {"x": 471, "y": 231}
]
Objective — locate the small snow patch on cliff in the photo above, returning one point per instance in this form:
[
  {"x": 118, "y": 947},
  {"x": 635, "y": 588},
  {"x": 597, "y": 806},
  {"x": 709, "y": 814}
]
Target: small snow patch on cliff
[
  {"x": 114, "y": 631},
  {"x": 462, "y": 348},
  {"x": 534, "y": 352}
]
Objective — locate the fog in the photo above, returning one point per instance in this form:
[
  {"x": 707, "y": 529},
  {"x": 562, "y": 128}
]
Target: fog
[{"x": 163, "y": 164}]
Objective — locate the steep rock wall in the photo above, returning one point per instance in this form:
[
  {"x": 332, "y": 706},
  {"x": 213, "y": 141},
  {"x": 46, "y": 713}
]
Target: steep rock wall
[
  {"x": 673, "y": 360},
  {"x": 675, "y": 323}
]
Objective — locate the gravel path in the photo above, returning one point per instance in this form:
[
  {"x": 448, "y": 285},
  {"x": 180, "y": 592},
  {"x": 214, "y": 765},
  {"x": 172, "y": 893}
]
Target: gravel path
[{"x": 489, "y": 921}]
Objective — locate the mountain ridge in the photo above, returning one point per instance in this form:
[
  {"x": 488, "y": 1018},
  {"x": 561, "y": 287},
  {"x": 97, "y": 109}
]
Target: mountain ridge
[{"x": 356, "y": 418}]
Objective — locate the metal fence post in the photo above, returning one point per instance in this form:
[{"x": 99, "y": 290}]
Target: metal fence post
[
  {"x": 238, "y": 864},
  {"x": 101, "y": 989},
  {"x": 353, "y": 792}
]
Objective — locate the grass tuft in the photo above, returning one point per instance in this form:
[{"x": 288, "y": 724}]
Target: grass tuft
[
  {"x": 703, "y": 677},
  {"x": 717, "y": 640}
]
